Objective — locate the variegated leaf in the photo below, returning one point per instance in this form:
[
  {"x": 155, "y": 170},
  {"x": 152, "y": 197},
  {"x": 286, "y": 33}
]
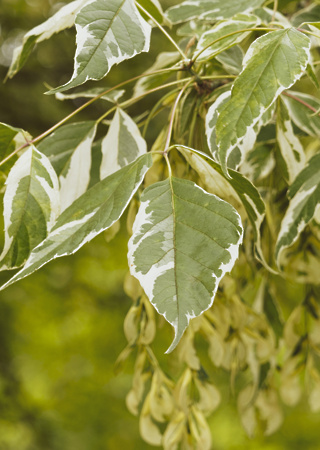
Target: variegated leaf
[
  {"x": 69, "y": 151},
  {"x": 95, "y": 211},
  {"x": 290, "y": 147},
  {"x": 111, "y": 97},
  {"x": 107, "y": 33},
  {"x": 31, "y": 206},
  {"x": 240, "y": 187},
  {"x": 304, "y": 196},
  {"x": 223, "y": 28},
  {"x": 63, "y": 19},
  {"x": 184, "y": 241},
  {"x": 210, "y": 9},
  {"x": 274, "y": 62},
  {"x": 11, "y": 138},
  {"x": 301, "y": 115},
  {"x": 238, "y": 152},
  {"x": 122, "y": 144}
]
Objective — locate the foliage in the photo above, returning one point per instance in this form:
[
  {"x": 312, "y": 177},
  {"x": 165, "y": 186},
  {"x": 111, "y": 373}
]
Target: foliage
[{"x": 230, "y": 183}]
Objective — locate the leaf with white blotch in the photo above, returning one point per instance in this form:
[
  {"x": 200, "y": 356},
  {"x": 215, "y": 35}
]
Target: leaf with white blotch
[
  {"x": 112, "y": 97},
  {"x": 209, "y": 9},
  {"x": 31, "y": 206},
  {"x": 274, "y": 62},
  {"x": 63, "y": 19},
  {"x": 69, "y": 151},
  {"x": 122, "y": 144},
  {"x": 291, "y": 149},
  {"x": 301, "y": 115},
  {"x": 244, "y": 189},
  {"x": 221, "y": 29},
  {"x": 259, "y": 163},
  {"x": 107, "y": 34},
  {"x": 95, "y": 211},
  {"x": 184, "y": 241},
  {"x": 304, "y": 196},
  {"x": 238, "y": 153}
]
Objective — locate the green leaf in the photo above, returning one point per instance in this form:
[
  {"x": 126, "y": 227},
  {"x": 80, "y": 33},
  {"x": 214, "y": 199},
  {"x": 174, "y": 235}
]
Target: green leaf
[
  {"x": 122, "y": 145},
  {"x": 63, "y": 19},
  {"x": 69, "y": 151},
  {"x": 95, "y": 211},
  {"x": 301, "y": 115},
  {"x": 274, "y": 62},
  {"x": 223, "y": 28},
  {"x": 107, "y": 33},
  {"x": 268, "y": 15},
  {"x": 304, "y": 196},
  {"x": 154, "y": 8},
  {"x": 31, "y": 206},
  {"x": 184, "y": 240},
  {"x": 231, "y": 59},
  {"x": 210, "y": 9},
  {"x": 111, "y": 97},
  {"x": 290, "y": 147}
]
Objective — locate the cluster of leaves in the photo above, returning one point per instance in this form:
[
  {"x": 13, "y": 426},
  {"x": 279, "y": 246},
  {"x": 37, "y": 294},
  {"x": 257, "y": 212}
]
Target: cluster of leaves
[{"x": 236, "y": 162}]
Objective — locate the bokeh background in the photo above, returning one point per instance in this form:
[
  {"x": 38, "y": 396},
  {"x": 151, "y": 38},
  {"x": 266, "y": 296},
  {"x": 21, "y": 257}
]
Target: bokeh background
[{"x": 61, "y": 329}]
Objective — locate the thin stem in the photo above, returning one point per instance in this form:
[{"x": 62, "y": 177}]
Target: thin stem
[
  {"x": 163, "y": 31},
  {"x": 225, "y": 36},
  {"x": 155, "y": 109},
  {"x": 134, "y": 100},
  {"x": 307, "y": 105},
  {"x": 308, "y": 32},
  {"x": 173, "y": 112},
  {"x": 85, "y": 105},
  {"x": 275, "y": 9}
]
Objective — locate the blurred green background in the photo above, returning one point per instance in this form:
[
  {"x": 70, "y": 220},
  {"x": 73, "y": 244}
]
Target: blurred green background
[{"x": 61, "y": 329}]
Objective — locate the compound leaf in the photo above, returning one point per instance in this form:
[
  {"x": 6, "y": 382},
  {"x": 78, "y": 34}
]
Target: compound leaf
[
  {"x": 95, "y": 211},
  {"x": 184, "y": 241}
]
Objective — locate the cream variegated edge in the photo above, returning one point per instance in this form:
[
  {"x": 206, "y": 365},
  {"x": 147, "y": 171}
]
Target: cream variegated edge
[
  {"x": 63, "y": 19},
  {"x": 209, "y": 9},
  {"x": 238, "y": 153},
  {"x": 75, "y": 180},
  {"x": 107, "y": 33},
  {"x": 95, "y": 211},
  {"x": 169, "y": 252},
  {"x": 122, "y": 144},
  {"x": 304, "y": 205},
  {"x": 237, "y": 23},
  {"x": 32, "y": 181},
  {"x": 277, "y": 60},
  {"x": 290, "y": 147}
]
